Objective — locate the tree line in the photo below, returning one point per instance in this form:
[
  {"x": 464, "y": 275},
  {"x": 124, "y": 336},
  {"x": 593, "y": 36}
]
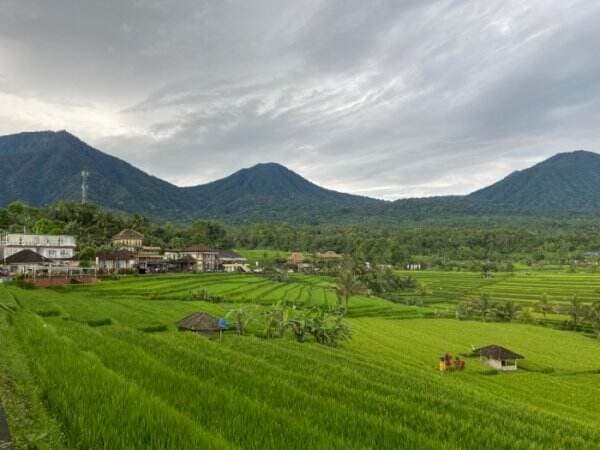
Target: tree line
[{"x": 485, "y": 246}]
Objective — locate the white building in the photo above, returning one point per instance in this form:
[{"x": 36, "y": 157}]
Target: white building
[{"x": 56, "y": 248}]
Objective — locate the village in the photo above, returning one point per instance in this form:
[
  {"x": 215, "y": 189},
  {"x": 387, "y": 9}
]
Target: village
[{"x": 52, "y": 259}]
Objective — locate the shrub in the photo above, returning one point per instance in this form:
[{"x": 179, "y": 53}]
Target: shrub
[
  {"x": 99, "y": 322},
  {"x": 48, "y": 313}
]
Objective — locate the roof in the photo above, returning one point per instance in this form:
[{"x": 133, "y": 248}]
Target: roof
[
  {"x": 199, "y": 321},
  {"x": 329, "y": 255},
  {"x": 497, "y": 352},
  {"x": 128, "y": 234},
  {"x": 199, "y": 249},
  {"x": 27, "y": 257},
  {"x": 113, "y": 255},
  {"x": 230, "y": 254},
  {"x": 296, "y": 256},
  {"x": 187, "y": 259}
]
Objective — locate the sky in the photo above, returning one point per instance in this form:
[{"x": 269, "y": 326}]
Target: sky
[{"x": 390, "y": 99}]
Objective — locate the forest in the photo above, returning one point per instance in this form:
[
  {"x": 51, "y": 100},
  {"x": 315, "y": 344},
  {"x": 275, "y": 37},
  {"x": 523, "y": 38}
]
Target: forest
[{"x": 447, "y": 245}]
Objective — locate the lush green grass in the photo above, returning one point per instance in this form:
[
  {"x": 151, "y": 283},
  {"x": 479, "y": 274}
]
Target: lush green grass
[
  {"x": 118, "y": 386},
  {"x": 522, "y": 286}
]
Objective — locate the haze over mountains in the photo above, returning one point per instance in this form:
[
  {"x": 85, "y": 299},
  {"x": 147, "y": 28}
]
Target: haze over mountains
[{"x": 44, "y": 167}]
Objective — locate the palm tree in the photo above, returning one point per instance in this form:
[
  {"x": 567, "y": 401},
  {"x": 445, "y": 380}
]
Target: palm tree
[
  {"x": 423, "y": 290},
  {"x": 594, "y": 317},
  {"x": 576, "y": 311},
  {"x": 507, "y": 311},
  {"x": 483, "y": 305},
  {"x": 544, "y": 306},
  {"x": 348, "y": 285}
]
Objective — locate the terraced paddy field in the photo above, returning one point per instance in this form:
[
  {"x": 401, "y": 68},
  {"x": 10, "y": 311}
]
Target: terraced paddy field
[
  {"x": 523, "y": 287},
  {"x": 78, "y": 371}
]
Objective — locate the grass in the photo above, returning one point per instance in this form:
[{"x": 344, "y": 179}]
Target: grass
[
  {"x": 134, "y": 381},
  {"x": 525, "y": 287}
]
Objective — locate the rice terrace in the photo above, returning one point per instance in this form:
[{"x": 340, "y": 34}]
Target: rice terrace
[
  {"x": 104, "y": 366},
  {"x": 307, "y": 225}
]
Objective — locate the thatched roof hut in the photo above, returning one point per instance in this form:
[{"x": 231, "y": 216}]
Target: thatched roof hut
[
  {"x": 498, "y": 357},
  {"x": 200, "y": 322}
]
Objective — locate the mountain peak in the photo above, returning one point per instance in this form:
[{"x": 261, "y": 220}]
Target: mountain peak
[{"x": 568, "y": 181}]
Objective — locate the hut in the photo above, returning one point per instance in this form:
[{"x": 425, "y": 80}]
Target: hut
[
  {"x": 498, "y": 357},
  {"x": 200, "y": 322}
]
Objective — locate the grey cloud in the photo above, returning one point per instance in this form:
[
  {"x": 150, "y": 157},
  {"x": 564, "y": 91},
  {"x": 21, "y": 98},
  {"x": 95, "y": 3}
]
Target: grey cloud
[{"x": 384, "y": 98}]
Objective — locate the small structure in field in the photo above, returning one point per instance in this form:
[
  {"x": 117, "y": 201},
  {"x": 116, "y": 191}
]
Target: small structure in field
[
  {"x": 200, "y": 322},
  {"x": 498, "y": 357}
]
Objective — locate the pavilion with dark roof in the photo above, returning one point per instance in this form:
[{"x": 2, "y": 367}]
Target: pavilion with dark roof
[{"x": 498, "y": 357}]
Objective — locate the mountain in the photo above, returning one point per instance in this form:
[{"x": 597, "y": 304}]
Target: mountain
[
  {"x": 44, "y": 167},
  {"x": 271, "y": 191},
  {"x": 564, "y": 183}
]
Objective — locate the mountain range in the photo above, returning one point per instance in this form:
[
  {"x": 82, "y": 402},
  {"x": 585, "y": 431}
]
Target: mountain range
[{"x": 44, "y": 167}]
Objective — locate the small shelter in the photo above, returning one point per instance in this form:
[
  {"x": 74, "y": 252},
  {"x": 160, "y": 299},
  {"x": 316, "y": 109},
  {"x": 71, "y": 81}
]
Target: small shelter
[
  {"x": 200, "y": 322},
  {"x": 498, "y": 357}
]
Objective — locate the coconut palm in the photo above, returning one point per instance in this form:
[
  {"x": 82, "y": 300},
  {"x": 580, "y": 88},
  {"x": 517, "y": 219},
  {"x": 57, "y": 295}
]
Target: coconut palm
[
  {"x": 348, "y": 284},
  {"x": 483, "y": 306},
  {"x": 594, "y": 317},
  {"x": 544, "y": 306},
  {"x": 576, "y": 311}
]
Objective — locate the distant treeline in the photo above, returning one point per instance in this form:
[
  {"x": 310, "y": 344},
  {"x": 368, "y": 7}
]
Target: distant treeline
[{"x": 476, "y": 245}]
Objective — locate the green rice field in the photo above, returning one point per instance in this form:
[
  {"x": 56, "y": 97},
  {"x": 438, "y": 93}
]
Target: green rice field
[
  {"x": 523, "y": 287},
  {"x": 104, "y": 367}
]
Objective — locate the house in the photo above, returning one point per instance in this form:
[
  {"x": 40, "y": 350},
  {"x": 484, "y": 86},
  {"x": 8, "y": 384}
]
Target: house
[
  {"x": 172, "y": 254},
  {"x": 201, "y": 322},
  {"x": 128, "y": 239},
  {"x": 183, "y": 264},
  {"x": 26, "y": 262},
  {"x": 207, "y": 259},
  {"x": 115, "y": 260},
  {"x": 57, "y": 248},
  {"x": 295, "y": 258},
  {"x": 498, "y": 357},
  {"x": 329, "y": 256},
  {"x": 230, "y": 261},
  {"x": 150, "y": 259}
]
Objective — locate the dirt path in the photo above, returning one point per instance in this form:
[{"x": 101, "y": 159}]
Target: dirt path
[{"x": 5, "y": 442}]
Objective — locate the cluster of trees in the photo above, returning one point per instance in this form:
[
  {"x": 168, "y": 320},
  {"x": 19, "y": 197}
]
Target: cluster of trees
[
  {"x": 325, "y": 325},
  {"x": 487, "y": 310},
  {"x": 580, "y": 315},
  {"x": 486, "y": 246}
]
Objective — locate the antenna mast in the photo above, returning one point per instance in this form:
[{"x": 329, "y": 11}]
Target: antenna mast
[{"x": 84, "y": 186}]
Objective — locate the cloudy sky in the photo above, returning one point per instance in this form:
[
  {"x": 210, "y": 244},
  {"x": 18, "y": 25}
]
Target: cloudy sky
[{"x": 390, "y": 99}]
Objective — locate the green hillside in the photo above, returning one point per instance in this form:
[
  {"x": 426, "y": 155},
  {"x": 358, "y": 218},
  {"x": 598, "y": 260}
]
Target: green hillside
[
  {"x": 40, "y": 168},
  {"x": 77, "y": 370},
  {"x": 567, "y": 182}
]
